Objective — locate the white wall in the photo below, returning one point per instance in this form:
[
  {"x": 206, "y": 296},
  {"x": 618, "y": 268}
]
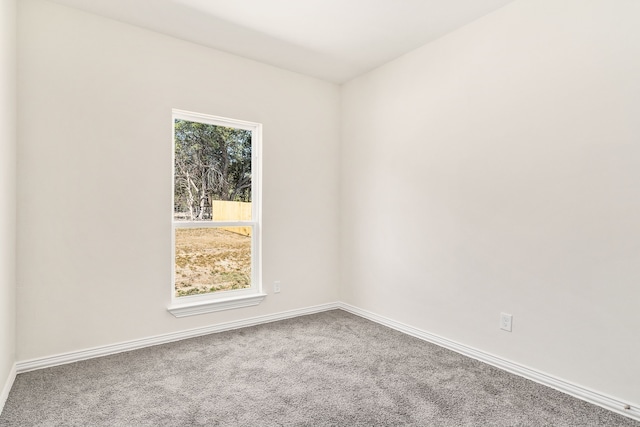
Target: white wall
[
  {"x": 498, "y": 169},
  {"x": 7, "y": 189},
  {"x": 95, "y": 100}
]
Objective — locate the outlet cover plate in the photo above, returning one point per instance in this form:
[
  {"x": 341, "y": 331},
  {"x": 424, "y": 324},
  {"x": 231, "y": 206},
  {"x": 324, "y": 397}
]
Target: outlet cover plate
[{"x": 505, "y": 321}]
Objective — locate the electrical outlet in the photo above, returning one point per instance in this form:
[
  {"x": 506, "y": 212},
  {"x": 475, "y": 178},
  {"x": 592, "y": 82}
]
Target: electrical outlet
[
  {"x": 505, "y": 321},
  {"x": 276, "y": 287}
]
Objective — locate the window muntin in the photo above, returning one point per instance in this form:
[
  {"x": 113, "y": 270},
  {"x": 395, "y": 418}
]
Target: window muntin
[{"x": 215, "y": 220}]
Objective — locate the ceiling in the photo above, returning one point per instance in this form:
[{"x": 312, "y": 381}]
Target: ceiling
[{"x": 334, "y": 40}]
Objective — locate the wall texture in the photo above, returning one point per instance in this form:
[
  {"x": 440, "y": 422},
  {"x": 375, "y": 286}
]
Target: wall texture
[
  {"x": 95, "y": 100},
  {"x": 498, "y": 170},
  {"x": 8, "y": 142}
]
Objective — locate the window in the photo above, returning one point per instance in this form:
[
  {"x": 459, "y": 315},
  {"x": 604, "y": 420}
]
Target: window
[{"x": 216, "y": 214}]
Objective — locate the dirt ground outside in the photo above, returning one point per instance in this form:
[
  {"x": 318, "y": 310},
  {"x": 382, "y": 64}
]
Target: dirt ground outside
[{"x": 211, "y": 260}]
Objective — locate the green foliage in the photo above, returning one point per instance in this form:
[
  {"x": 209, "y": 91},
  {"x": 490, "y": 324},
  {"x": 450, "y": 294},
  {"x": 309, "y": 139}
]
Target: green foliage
[
  {"x": 211, "y": 163},
  {"x": 238, "y": 279},
  {"x": 186, "y": 293}
]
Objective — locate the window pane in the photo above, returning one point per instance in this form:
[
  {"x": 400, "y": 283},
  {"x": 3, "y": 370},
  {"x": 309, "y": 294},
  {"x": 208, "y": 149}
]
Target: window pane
[
  {"x": 212, "y": 260},
  {"x": 212, "y": 163}
]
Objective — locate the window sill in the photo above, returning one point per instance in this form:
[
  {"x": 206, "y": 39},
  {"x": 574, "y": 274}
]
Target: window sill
[{"x": 210, "y": 306}]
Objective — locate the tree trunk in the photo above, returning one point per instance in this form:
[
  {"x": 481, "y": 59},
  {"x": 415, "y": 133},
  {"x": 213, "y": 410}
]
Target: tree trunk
[
  {"x": 203, "y": 194},
  {"x": 190, "y": 198}
]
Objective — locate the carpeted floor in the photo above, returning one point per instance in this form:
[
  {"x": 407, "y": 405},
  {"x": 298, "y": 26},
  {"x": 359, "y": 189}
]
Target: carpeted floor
[{"x": 327, "y": 369}]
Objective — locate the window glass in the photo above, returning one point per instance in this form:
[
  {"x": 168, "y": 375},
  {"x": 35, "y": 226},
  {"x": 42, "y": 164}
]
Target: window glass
[{"x": 215, "y": 208}]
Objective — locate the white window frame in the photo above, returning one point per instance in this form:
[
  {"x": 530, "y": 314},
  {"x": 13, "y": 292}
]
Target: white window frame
[{"x": 223, "y": 300}]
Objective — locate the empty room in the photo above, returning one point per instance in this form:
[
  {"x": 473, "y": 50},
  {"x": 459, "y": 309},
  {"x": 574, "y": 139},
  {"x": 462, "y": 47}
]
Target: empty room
[{"x": 320, "y": 213}]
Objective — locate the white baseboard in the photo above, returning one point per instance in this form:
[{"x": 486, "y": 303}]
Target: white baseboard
[
  {"x": 7, "y": 387},
  {"x": 75, "y": 356},
  {"x": 583, "y": 393}
]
